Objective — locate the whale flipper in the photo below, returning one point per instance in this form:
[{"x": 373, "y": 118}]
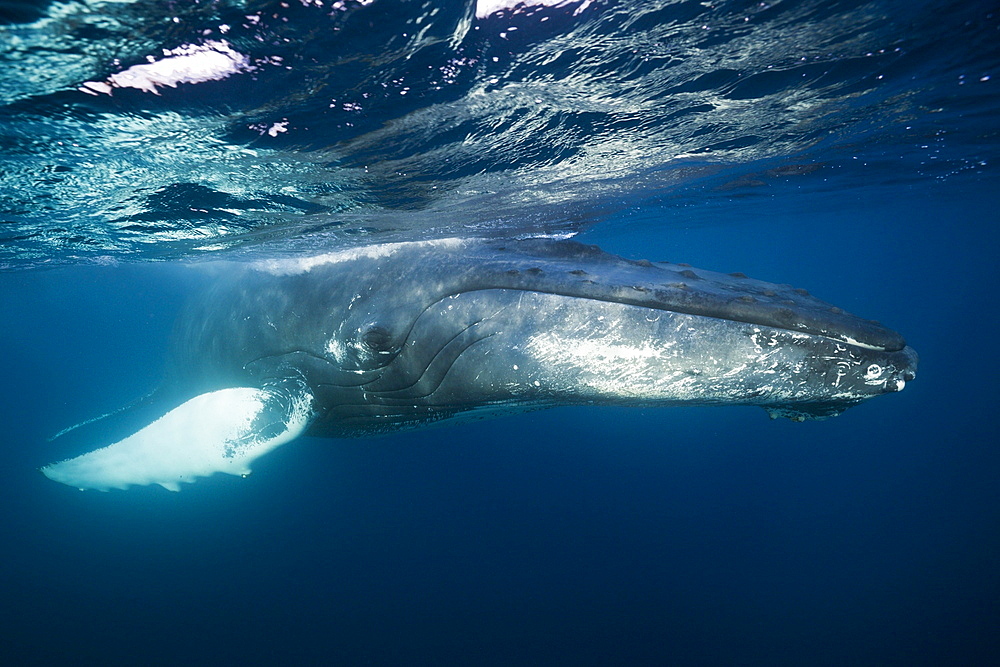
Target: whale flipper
[{"x": 220, "y": 431}]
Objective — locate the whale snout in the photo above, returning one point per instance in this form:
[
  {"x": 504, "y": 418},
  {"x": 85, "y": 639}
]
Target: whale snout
[{"x": 907, "y": 371}]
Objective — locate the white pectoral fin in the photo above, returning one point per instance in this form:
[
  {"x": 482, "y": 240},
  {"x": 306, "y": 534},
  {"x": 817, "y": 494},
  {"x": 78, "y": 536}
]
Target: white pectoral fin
[{"x": 221, "y": 431}]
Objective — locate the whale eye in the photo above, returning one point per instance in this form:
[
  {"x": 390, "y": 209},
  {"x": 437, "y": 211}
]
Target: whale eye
[{"x": 377, "y": 339}]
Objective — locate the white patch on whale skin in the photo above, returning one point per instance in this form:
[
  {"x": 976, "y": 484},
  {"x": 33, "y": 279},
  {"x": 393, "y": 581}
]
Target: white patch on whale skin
[
  {"x": 857, "y": 343},
  {"x": 610, "y": 367},
  {"x": 221, "y": 431},
  {"x": 335, "y": 349},
  {"x": 297, "y": 265}
]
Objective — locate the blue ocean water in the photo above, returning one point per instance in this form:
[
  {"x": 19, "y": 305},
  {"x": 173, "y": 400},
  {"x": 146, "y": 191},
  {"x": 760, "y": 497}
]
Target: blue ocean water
[{"x": 847, "y": 147}]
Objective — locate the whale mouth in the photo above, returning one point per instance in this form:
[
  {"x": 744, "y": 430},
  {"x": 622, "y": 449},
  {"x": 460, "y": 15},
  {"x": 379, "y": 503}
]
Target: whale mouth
[{"x": 568, "y": 268}]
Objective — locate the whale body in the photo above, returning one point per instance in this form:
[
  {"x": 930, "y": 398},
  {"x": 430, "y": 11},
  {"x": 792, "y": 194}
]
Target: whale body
[{"x": 396, "y": 336}]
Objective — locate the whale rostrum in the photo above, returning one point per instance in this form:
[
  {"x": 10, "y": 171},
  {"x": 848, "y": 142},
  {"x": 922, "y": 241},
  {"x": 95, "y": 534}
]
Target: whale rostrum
[{"x": 386, "y": 337}]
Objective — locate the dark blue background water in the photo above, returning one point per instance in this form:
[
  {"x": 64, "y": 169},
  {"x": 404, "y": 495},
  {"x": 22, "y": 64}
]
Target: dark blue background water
[{"x": 575, "y": 536}]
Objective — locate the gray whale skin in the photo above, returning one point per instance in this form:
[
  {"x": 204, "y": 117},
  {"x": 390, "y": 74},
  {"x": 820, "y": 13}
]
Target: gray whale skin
[{"x": 387, "y": 337}]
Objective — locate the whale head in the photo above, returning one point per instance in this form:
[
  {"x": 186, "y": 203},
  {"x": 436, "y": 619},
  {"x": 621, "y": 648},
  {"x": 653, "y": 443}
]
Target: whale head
[{"x": 405, "y": 335}]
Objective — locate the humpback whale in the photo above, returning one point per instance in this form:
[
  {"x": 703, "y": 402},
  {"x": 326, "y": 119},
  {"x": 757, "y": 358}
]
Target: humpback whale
[{"x": 395, "y": 336}]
